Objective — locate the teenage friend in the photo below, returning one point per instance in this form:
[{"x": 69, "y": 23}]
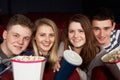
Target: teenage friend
[{"x": 16, "y": 39}]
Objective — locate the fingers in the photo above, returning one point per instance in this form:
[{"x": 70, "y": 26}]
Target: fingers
[{"x": 57, "y": 65}]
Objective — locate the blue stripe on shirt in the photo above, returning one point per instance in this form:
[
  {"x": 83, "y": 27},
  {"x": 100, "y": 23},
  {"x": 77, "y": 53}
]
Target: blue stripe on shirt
[{"x": 115, "y": 40}]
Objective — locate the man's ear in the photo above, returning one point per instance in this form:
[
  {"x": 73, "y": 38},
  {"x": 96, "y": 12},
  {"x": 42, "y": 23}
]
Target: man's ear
[
  {"x": 113, "y": 26},
  {"x": 4, "y": 34}
]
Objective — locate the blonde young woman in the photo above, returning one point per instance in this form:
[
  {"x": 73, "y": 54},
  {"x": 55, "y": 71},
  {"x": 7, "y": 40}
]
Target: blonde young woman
[
  {"x": 45, "y": 40},
  {"x": 45, "y": 43}
]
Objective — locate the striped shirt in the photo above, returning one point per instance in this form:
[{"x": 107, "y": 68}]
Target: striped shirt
[{"x": 114, "y": 42}]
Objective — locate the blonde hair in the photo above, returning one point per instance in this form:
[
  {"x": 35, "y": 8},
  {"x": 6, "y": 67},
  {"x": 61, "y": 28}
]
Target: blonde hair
[{"x": 53, "y": 52}]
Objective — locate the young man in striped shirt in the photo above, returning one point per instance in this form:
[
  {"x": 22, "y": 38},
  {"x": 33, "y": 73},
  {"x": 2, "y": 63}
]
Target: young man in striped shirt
[
  {"x": 104, "y": 29},
  {"x": 103, "y": 25}
]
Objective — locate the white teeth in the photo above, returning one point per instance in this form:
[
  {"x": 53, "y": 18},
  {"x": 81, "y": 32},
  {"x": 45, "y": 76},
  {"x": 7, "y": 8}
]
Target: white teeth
[
  {"x": 76, "y": 40},
  {"x": 46, "y": 44},
  {"x": 102, "y": 38}
]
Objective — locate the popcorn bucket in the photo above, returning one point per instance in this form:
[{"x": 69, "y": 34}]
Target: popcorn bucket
[
  {"x": 112, "y": 61},
  {"x": 27, "y": 69}
]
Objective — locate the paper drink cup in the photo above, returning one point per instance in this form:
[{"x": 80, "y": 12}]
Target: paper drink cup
[
  {"x": 27, "y": 69},
  {"x": 68, "y": 64}
]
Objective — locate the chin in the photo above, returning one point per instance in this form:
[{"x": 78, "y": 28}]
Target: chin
[
  {"x": 46, "y": 49},
  {"x": 102, "y": 43}
]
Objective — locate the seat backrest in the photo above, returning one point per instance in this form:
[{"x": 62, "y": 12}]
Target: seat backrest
[
  {"x": 117, "y": 26},
  {"x": 2, "y": 28}
]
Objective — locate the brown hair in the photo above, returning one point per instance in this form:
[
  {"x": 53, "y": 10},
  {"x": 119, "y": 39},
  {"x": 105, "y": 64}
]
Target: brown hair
[
  {"x": 90, "y": 48},
  {"x": 21, "y": 20}
]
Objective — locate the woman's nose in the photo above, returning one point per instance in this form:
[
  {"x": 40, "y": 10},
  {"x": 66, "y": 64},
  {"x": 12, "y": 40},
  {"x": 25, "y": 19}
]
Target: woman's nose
[
  {"x": 75, "y": 34},
  {"x": 47, "y": 38}
]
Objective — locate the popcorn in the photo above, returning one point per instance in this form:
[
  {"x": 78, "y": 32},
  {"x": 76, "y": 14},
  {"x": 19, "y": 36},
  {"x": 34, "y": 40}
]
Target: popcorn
[
  {"x": 28, "y": 58},
  {"x": 114, "y": 57},
  {"x": 112, "y": 61}
]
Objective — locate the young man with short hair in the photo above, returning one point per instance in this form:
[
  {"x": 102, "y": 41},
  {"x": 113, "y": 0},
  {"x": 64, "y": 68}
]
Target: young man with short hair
[
  {"x": 103, "y": 23},
  {"x": 16, "y": 39}
]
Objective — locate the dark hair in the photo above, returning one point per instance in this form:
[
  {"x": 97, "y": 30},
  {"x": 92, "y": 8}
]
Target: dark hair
[
  {"x": 102, "y": 13},
  {"x": 90, "y": 48},
  {"x": 21, "y": 20}
]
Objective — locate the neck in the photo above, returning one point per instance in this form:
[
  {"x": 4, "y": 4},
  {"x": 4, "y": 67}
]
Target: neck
[
  {"x": 77, "y": 50},
  {"x": 43, "y": 53},
  {"x": 105, "y": 44}
]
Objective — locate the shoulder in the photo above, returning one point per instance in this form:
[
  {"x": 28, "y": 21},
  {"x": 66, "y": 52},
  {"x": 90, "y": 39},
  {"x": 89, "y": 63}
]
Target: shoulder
[
  {"x": 62, "y": 43},
  {"x": 115, "y": 34}
]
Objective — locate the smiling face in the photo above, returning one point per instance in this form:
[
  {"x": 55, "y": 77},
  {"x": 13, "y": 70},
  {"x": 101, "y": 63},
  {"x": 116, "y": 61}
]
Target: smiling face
[
  {"x": 102, "y": 30},
  {"x": 45, "y": 38},
  {"x": 76, "y": 34},
  {"x": 16, "y": 40}
]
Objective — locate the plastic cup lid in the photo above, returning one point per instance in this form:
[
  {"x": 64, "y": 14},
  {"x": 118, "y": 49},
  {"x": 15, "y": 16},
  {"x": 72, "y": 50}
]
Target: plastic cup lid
[{"x": 72, "y": 57}]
